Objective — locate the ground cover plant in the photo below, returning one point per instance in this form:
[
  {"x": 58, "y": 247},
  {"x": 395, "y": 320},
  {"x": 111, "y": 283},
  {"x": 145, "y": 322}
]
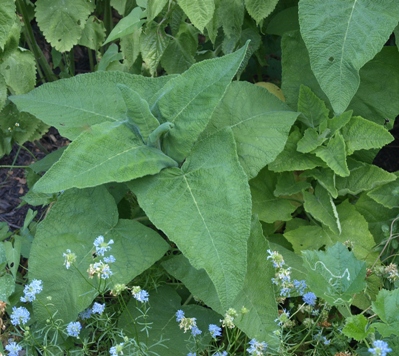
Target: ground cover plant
[{"x": 195, "y": 212}]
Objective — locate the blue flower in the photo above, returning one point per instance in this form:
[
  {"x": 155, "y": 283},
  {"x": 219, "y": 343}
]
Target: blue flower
[
  {"x": 140, "y": 294},
  {"x": 73, "y": 329},
  {"x": 191, "y": 354},
  {"x": 85, "y": 314},
  {"x": 215, "y": 330},
  {"x": 101, "y": 246},
  {"x": 309, "y": 298},
  {"x": 256, "y": 348},
  {"x": 179, "y": 315},
  {"x": 300, "y": 286},
  {"x": 224, "y": 353},
  {"x": 31, "y": 290},
  {"x": 116, "y": 350},
  {"x": 98, "y": 308},
  {"x": 110, "y": 259},
  {"x": 380, "y": 348},
  {"x": 195, "y": 331},
  {"x": 19, "y": 316},
  {"x": 13, "y": 348}
]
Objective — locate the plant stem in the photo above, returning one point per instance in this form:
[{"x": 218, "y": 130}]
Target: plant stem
[
  {"x": 39, "y": 56},
  {"x": 107, "y": 20}
]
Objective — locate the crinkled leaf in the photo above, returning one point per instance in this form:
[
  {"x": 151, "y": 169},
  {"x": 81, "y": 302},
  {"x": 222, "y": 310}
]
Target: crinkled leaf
[
  {"x": 3, "y": 92},
  {"x": 265, "y": 204},
  {"x": 62, "y": 21},
  {"x": 325, "y": 177},
  {"x": 154, "y": 8},
  {"x": 386, "y": 306},
  {"x": 130, "y": 48},
  {"x": 19, "y": 71},
  {"x": 107, "y": 152},
  {"x": 356, "y": 327},
  {"x": 338, "y": 52},
  {"x": 334, "y": 275},
  {"x": 7, "y": 19},
  {"x": 362, "y": 134},
  {"x": 231, "y": 13},
  {"x": 334, "y": 155},
  {"x": 321, "y": 206},
  {"x": 75, "y": 220},
  {"x": 284, "y": 21},
  {"x": 127, "y": 25},
  {"x": 73, "y": 105},
  {"x": 310, "y": 140},
  {"x": 308, "y": 237},
  {"x": 313, "y": 109},
  {"x": 209, "y": 200},
  {"x": 337, "y": 122},
  {"x": 260, "y": 9},
  {"x": 387, "y": 194},
  {"x": 93, "y": 34},
  {"x": 292, "y": 160},
  {"x": 200, "y": 12},
  {"x": 362, "y": 177},
  {"x": 260, "y": 124},
  {"x": 189, "y": 100},
  {"x": 288, "y": 183}
]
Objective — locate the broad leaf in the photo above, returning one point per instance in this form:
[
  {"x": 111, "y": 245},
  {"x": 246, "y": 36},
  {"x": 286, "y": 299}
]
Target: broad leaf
[
  {"x": 93, "y": 34},
  {"x": 387, "y": 194},
  {"x": 308, "y": 237},
  {"x": 356, "y": 327},
  {"x": 334, "y": 275},
  {"x": 107, "y": 152},
  {"x": 288, "y": 183},
  {"x": 322, "y": 208},
  {"x": 231, "y": 13},
  {"x": 208, "y": 199},
  {"x": 130, "y": 48},
  {"x": 338, "y": 52},
  {"x": 338, "y": 122},
  {"x": 265, "y": 204},
  {"x": 260, "y": 123},
  {"x": 3, "y": 92},
  {"x": 62, "y": 21},
  {"x": 154, "y": 8},
  {"x": 189, "y": 100},
  {"x": 386, "y": 306},
  {"x": 200, "y": 12},
  {"x": 7, "y": 19},
  {"x": 311, "y": 140},
  {"x": 283, "y": 21},
  {"x": 362, "y": 134},
  {"x": 325, "y": 177},
  {"x": 73, "y": 105},
  {"x": 260, "y": 9},
  {"x": 78, "y": 217},
  {"x": 314, "y": 110}
]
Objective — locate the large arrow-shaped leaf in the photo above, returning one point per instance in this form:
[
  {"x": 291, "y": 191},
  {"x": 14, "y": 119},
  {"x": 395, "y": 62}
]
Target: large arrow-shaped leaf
[
  {"x": 107, "y": 152},
  {"x": 205, "y": 208}
]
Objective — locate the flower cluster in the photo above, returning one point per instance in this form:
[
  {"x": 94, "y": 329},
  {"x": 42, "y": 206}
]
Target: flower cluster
[
  {"x": 19, "y": 316},
  {"x": 31, "y": 290},
  {"x": 69, "y": 257},
  {"x": 229, "y": 317},
  {"x": 187, "y": 323},
  {"x": 73, "y": 329},
  {"x": 13, "y": 348},
  {"x": 256, "y": 348},
  {"x": 117, "y": 350},
  {"x": 380, "y": 348},
  {"x": 140, "y": 294}
]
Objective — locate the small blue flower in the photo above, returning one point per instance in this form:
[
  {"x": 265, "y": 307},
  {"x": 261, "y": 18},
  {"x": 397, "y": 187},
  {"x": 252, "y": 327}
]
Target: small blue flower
[
  {"x": 13, "y": 348},
  {"x": 224, "y": 353},
  {"x": 85, "y": 314},
  {"x": 285, "y": 292},
  {"x": 215, "y": 330},
  {"x": 73, "y": 329},
  {"x": 116, "y": 350},
  {"x": 101, "y": 246},
  {"x": 110, "y": 259},
  {"x": 98, "y": 308},
  {"x": 191, "y": 354},
  {"x": 380, "y": 348},
  {"x": 309, "y": 298},
  {"x": 195, "y": 331},
  {"x": 31, "y": 290},
  {"x": 326, "y": 341},
  {"x": 300, "y": 286},
  {"x": 19, "y": 316},
  {"x": 179, "y": 315},
  {"x": 140, "y": 294},
  {"x": 256, "y": 348}
]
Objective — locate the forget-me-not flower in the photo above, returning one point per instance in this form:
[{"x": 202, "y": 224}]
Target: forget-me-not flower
[
  {"x": 73, "y": 328},
  {"x": 101, "y": 246},
  {"x": 215, "y": 330},
  {"x": 31, "y": 290},
  {"x": 380, "y": 348},
  {"x": 19, "y": 316},
  {"x": 13, "y": 348}
]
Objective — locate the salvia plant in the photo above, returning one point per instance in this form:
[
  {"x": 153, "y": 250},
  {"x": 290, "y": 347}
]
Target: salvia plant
[{"x": 194, "y": 212}]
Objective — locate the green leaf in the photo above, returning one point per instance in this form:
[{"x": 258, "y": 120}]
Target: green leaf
[
  {"x": 260, "y": 9},
  {"x": 231, "y": 13},
  {"x": 200, "y": 12},
  {"x": 19, "y": 71},
  {"x": 73, "y": 105},
  {"x": 189, "y": 100},
  {"x": 3, "y": 92},
  {"x": 138, "y": 111},
  {"x": 338, "y": 52},
  {"x": 111, "y": 59},
  {"x": 288, "y": 183},
  {"x": 260, "y": 123},
  {"x": 179, "y": 55},
  {"x": 308, "y": 237},
  {"x": 292, "y": 160},
  {"x": 265, "y": 204},
  {"x": 334, "y": 275},
  {"x": 325, "y": 177},
  {"x": 76, "y": 219},
  {"x": 313, "y": 109},
  {"x": 362, "y": 177},
  {"x": 62, "y": 21},
  {"x": 119, "y": 5},
  {"x": 7, "y": 19},
  {"x": 130, "y": 48},
  {"x": 93, "y": 34},
  {"x": 127, "y": 25},
  {"x": 337, "y": 122},
  {"x": 386, "y": 306},
  {"x": 209, "y": 200},
  {"x": 107, "y": 152},
  {"x": 356, "y": 327},
  {"x": 153, "y": 43},
  {"x": 322, "y": 208},
  {"x": 387, "y": 194},
  {"x": 154, "y": 8},
  {"x": 165, "y": 302},
  {"x": 284, "y": 21},
  {"x": 7, "y": 287},
  {"x": 361, "y": 134},
  {"x": 334, "y": 154},
  {"x": 311, "y": 140}
]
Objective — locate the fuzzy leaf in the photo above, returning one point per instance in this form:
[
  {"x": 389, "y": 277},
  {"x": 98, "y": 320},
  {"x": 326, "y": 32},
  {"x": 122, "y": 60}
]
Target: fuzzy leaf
[
  {"x": 310, "y": 140},
  {"x": 289, "y": 184},
  {"x": 209, "y": 199},
  {"x": 107, "y": 152},
  {"x": 325, "y": 177},
  {"x": 356, "y": 327},
  {"x": 314, "y": 110},
  {"x": 386, "y": 306},
  {"x": 200, "y": 12},
  {"x": 62, "y": 21},
  {"x": 7, "y": 19},
  {"x": 338, "y": 122},
  {"x": 338, "y": 52},
  {"x": 154, "y": 8},
  {"x": 231, "y": 13},
  {"x": 260, "y": 9},
  {"x": 387, "y": 194}
]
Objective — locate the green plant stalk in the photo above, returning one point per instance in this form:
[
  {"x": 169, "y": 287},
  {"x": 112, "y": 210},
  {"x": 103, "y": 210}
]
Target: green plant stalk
[
  {"x": 107, "y": 20},
  {"x": 39, "y": 56}
]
